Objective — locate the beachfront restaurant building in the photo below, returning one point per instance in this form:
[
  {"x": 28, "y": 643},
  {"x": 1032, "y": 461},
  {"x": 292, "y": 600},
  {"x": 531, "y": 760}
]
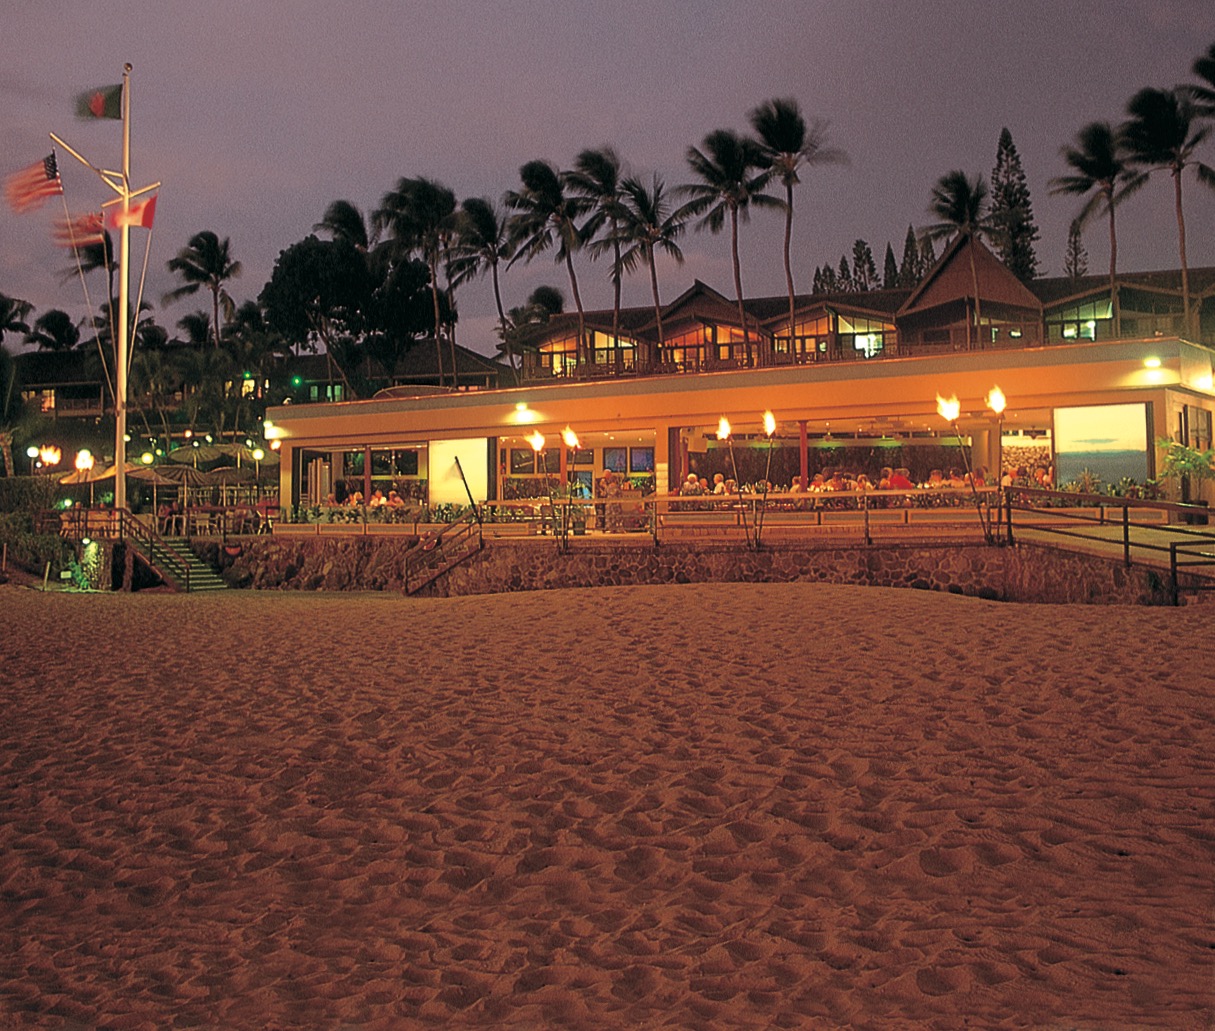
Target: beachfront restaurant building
[{"x": 1093, "y": 378}]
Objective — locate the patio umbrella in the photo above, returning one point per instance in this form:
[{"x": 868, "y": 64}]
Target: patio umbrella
[
  {"x": 203, "y": 454},
  {"x": 229, "y": 477}
]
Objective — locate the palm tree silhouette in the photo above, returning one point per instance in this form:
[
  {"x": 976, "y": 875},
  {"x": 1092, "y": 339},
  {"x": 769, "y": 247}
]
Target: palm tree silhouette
[
  {"x": 419, "y": 215},
  {"x": 733, "y": 179},
  {"x": 343, "y": 221},
  {"x": 960, "y": 204},
  {"x": 649, "y": 224},
  {"x": 546, "y": 214},
  {"x": 597, "y": 176},
  {"x": 206, "y": 261},
  {"x": 1099, "y": 169},
  {"x": 787, "y": 144},
  {"x": 482, "y": 244},
  {"x": 1163, "y": 132},
  {"x": 54, "y": 330},
  {"x": 1203, "y": 92}
]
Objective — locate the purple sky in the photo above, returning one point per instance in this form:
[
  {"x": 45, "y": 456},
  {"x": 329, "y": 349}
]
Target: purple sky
[{"x": 257, "y": 115}]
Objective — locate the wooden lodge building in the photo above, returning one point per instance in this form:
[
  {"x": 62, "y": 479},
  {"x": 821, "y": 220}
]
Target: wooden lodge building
[{"x": 1093, "y": 379}]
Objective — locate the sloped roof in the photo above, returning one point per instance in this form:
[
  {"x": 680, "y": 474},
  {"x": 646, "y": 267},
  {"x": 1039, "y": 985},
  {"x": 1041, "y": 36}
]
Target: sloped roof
[{"x": 996, "y": 282}]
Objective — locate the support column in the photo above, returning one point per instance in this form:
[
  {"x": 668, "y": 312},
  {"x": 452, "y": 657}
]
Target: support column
[{"x": 803, "y": 459}]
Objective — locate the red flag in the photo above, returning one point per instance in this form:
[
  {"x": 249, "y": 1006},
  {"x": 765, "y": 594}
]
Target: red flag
[
  {"x": 141, "y": 213},
  {"x": 27, "y": 189},
  {"x": 81, "y": 231}
]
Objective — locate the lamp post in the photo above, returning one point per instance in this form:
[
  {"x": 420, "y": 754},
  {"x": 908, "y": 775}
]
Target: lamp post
[
  {"x": 949, "y": 409},
  {"x": 724, "y": 432}
]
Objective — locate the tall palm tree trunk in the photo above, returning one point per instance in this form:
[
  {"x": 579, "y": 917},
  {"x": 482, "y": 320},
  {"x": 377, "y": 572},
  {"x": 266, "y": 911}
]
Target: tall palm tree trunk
[
  {"x": 583, "y": 348},
  {"x": 214, "y": 315},
  {"x": 788, "y": 260},
  {"x": 972, "y": 338},
  {"x": 434, "y": 298},
  {"x": 1185, "y": 269},
  {"x": 657, "y": 303},
  {"x": 616, "y": 295},
  {"x": 742, "y": 312},
  {"x": 1115, "y": 303}
]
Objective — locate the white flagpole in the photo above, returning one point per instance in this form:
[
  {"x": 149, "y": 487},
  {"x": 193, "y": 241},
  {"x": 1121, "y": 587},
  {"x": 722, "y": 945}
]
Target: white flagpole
[{"x": 124, "y": 294}]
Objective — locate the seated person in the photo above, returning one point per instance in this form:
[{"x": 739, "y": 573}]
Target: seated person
[
  {"x": 935, "y": 479},
  {"x": 900, "y": 479},
  {"x": 394, "y": 500},
  {"x": 691, "y": 486},
  {"x": 377, "y": 499},
  {"x": 719, "y": 483}
]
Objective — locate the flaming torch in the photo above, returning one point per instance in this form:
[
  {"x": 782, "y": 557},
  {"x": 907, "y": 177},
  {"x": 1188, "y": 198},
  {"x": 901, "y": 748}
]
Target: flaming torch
[
  {"x": 949, "y": 409},
  {"x": 769, "y": 432},
  {"x": 724, "y": 432}
]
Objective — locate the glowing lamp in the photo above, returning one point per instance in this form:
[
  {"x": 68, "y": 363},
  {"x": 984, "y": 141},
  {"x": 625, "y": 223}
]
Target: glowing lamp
[
  {"x": 147, "y": 458},
  {"x": 84, "y": 459},
  {"x": 1151, "y": 363},
  {"x": 31, "y": 451},
  {"x": 258, "y": 454}
]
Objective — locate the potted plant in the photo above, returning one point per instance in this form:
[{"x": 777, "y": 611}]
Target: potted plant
[{"x": 1191, "y": 467}]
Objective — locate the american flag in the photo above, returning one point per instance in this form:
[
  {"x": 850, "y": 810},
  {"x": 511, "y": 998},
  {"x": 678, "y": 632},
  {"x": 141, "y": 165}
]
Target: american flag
[
  {"x": 81, "y": 231},
  {"x": 27, "y": 189}
]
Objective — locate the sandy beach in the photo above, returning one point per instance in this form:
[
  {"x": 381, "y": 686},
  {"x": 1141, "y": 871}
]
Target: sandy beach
[{"x": 711, "y": 806}]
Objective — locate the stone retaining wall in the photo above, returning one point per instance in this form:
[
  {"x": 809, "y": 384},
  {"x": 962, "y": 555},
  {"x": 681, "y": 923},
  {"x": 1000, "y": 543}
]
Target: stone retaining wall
[{"x": 1023, "y": 573}]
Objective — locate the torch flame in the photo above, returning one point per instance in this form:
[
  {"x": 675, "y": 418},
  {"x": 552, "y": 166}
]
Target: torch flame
[
  {"x": 723, "y": 428},
  {"x": 84, "y": 459},
  {"x": 769, "y": 423},
  {"x": 50, "y": 454},
  {"x": 948, "y": 408},
  {"x": 537, "y": 441},
  {"x": 570, "y": 438},
  {"x": 996, "y": 400}
]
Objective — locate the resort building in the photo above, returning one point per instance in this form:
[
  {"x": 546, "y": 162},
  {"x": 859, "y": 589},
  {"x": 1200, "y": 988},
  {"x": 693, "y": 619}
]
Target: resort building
[{"x": 1093, "y": 377}]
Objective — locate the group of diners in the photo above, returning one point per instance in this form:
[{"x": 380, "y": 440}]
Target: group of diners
[{"x": 837, "y": 480}]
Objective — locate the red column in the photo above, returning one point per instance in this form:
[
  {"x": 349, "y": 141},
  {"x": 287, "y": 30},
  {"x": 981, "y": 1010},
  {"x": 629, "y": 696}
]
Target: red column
[{"x": 803, "y": 443}]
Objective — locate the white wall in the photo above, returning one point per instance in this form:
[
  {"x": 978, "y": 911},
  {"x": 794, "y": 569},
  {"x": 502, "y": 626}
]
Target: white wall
[{"x": 445, "y": 483}]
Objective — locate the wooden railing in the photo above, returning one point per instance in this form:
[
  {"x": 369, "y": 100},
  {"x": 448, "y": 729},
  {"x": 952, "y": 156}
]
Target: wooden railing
[{"x": 442, "y": 549}]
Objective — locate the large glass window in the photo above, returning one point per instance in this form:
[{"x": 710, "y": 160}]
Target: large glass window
[
  {"x": 1090, "y": 320},
  {"x": 560, "y": 357},
  {"x": 864, "y": 337}
]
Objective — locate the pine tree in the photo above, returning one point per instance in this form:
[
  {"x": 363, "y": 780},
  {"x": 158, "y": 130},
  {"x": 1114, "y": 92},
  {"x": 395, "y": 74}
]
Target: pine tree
[
  {"x": 844, "y": 280},
  {"x": 1075, "y": 263},
  {"x": 825, "y": 281},
  {"x": 864, "y": 269},
  {"x": 1012, "y": 217},
  {"x": 890, "y": 273},
  {"x": 910, "y": 271}
]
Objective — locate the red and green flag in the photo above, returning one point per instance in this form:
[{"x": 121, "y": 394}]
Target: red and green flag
[{"x": 103, "y": 102}]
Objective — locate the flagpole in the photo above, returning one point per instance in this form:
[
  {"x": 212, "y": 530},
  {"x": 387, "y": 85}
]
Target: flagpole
[{"x": 124, "y": 292}]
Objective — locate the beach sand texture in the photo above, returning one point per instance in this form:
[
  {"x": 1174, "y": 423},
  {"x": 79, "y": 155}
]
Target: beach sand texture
[{"x": 711, "y": 806}]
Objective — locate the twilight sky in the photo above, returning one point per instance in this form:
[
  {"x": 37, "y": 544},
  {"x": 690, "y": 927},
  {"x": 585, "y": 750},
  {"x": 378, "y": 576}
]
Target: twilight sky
[{"x": 256, "y": 115}]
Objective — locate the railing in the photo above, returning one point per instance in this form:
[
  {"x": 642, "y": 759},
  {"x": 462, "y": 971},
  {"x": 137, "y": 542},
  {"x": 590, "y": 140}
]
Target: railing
[
  {"x": 441, "y": 549},
  {"x": 1102, "y": 520},
  {"x": 81, "y": 524}
]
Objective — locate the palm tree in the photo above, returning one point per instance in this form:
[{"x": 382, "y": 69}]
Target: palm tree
[
  {"x": 960, "y": 204},
  {"x": 343, "y": 221},
  {"x": 787, "y": 144},
  {"x": 1163, "y": 132},
  {"x": 648, "y": 225},
  {"x": 733, "y": 179},
  {"x": 206, "y": 262},
  {"x": 1099, "y": 168},
  {"x": 419, "y": 215},
  {"x": 483, "y": 243},
  {"x": 596, "y": 176},
  {"x": 14, "y": 412},
  {"x": 544, "y": 215},
  {"x": 13, "y": 314},
  {"x": 1203, "y": 92},
  {"x": 54, "y": 330}
]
